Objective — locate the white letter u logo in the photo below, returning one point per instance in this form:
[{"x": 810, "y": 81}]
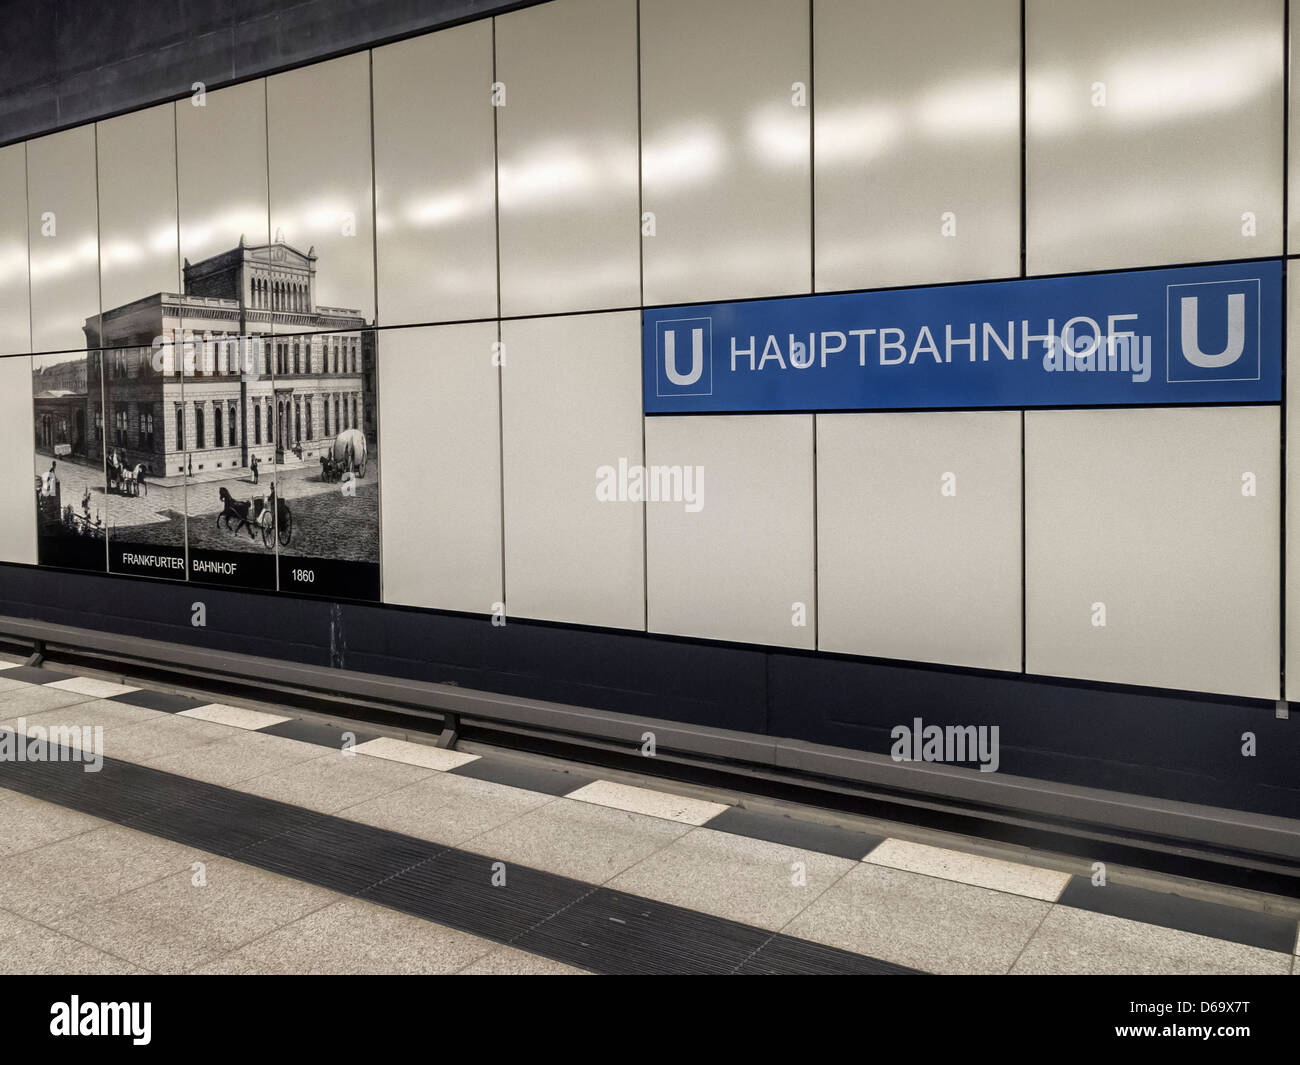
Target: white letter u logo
[
  {"x": 1236, "y": 341},
  {"x": 697, "y": 358}
]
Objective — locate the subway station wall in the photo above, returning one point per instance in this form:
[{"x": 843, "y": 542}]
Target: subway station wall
[{"x": 400, "y": 297}]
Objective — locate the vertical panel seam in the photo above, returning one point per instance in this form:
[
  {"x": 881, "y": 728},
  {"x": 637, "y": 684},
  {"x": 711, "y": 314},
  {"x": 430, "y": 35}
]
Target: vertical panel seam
[
  {"x": 99, "y": 336},
  {"x": 374, "y": 332},
  {"x": 180, "y": 284},
  {"x": 500, "y": 360},
  {"x": 640, "y": 216},
  {"x": 1024, "y": 246}
]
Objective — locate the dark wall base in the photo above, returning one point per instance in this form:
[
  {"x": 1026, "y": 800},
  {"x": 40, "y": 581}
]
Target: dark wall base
[{"x": 1142, "y": 741}]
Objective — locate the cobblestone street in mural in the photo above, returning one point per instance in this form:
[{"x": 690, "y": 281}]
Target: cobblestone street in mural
[{"x": 327, "y": 522}]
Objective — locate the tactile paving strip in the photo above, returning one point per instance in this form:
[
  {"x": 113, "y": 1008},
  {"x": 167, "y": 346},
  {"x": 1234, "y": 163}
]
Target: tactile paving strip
[{"x": 567, "y": 920}]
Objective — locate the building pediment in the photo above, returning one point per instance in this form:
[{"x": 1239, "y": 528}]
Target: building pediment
[{"x": 280, "y": 254}]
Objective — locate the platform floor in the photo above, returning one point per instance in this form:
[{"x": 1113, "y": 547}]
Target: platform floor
[{"x": 230, "y": 839}]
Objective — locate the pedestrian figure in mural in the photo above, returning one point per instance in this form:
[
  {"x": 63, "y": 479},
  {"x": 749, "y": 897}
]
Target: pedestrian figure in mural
[
  {"x": 47, "y": 486},
  {"x": 253, "y": 466}
]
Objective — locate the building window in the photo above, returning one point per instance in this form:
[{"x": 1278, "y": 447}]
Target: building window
[
  {"x": 200, "y": 436},
  {"x": 307, "y": 417},
  {"x": 216, "y": 425},
  {"x": 297, "y": 421},
  {"x": 180, "y": 427},
  {"x": 326, "y": 414},
  {"x": 234, "y": 427},
  {"x": 146, "y": 429},
  {"x": 257, "y": 425},
  {"x": 355, "y": 424}
]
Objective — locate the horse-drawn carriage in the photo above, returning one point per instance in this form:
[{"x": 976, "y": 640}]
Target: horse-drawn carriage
[
  {"x": 347, "y": 455},
  {"x": 267, "y": 515},
  {"x": 123, "y": 479}
]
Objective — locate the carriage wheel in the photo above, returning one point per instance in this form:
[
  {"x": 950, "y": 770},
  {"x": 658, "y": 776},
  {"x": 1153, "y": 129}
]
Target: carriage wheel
[
  {"x": 286, "y": 528},
  {"x": 267, "y": 532},
  {"x": 362, "y": 471}
]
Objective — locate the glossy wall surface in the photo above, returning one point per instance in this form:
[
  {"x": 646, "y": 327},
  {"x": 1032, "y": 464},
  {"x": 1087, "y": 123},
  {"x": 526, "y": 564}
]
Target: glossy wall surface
[{"x": 486, "y": 209}]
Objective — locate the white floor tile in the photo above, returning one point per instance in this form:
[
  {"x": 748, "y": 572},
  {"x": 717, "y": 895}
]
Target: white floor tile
[
  {"x": 237, "y": 716},
  {"x": 974, "y": 869},
  {"x": 644, "y": 801},
  {"x": 420, "y": 754},
  {"x": 99, "y": 689}
]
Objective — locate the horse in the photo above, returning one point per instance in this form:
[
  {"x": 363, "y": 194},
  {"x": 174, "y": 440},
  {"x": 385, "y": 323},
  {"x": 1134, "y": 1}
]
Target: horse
[
  {"x": 137, "y": 477},
  {"x": 234, "y": 508}
]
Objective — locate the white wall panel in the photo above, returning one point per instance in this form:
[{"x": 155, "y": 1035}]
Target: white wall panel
[
  {"x": 17, "y": 498},
  {"x": 221, "y": 163},
  {"x": 435, "y": 177},
  {"x": 725, "y": 151},
  {"x": 571, "y": 403},
  {"x": 567, "y": 138},
  {"x": 1144, "y": 511},
  {"x": 318, "y": 146},
  {"x": 1293, "y": 131},
  {"x": 735, "y": 568},
  {"x": 1293, "y": 488},
  {"x": 441, "y": 503},
  {"x": 1153, "y": 128},
  {"x": 15, "y": 306},
  {"x": 139, "y": 246},
  {"x": 918, "y": 534},
  {"x": 903, "y": 144},
  {"x": 63, "y": 231}
]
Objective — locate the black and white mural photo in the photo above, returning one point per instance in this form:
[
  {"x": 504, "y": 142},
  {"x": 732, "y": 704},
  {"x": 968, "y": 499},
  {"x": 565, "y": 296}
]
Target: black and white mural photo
[
  {"x": 256, "y": 417},
  {"x": 201, "y": 442}
]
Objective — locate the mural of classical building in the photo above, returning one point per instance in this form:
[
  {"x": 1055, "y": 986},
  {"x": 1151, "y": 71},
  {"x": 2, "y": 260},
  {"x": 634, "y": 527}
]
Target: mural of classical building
[
  {"x": 262, "y": 370},
  {"x": 67, "y": 413}
]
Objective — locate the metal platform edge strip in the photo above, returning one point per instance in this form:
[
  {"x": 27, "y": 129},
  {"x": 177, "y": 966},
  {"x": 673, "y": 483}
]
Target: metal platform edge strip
[{"x": 1269, "y": 837}]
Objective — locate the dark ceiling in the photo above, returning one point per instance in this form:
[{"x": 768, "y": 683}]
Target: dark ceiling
[{"x": 66, "y": 62}]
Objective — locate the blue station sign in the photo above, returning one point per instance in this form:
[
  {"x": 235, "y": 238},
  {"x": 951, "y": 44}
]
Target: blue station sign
[{"x": 1197, "y": 334}]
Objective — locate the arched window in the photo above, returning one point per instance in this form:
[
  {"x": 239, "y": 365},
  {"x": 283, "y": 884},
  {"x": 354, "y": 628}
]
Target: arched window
[
  {"x": 325, "y": 414},
  {"x": 200, "y": 440},
  {"x": 216, "y": 425},
  {"x": 180, "y": 427},
  {"x": 307, "y": 416},
  {"x": 257, "y": 425},
  {"x": 234, "y": 427}
]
